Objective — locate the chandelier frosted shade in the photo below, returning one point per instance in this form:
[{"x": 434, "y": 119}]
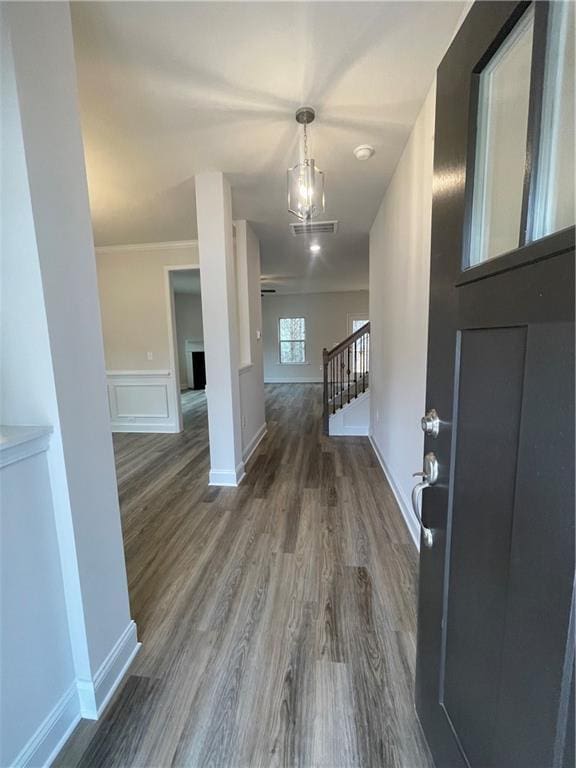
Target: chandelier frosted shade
[{"x": 305, "y": 190}]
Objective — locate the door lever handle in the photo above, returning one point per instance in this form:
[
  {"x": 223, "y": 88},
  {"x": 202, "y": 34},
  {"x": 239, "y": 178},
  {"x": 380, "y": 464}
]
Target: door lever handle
[
  {"x": 416, "y": 496},
  {"x": 429, "y": 476}
]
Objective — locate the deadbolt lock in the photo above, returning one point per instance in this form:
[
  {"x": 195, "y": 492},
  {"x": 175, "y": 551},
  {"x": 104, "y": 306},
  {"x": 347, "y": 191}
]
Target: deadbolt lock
[{"x": 431, "y": 423}]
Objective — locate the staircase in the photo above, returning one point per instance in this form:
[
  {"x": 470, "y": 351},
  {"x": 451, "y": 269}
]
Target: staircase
[{"x": 346, "y": 372}]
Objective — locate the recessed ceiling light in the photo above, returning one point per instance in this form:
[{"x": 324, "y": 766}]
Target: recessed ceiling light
[
  {"x": 315, "y": 248},
  {"x": 364, "y": 152}
]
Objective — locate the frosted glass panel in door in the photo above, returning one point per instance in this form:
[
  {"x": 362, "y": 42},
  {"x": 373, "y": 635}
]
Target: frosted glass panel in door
[{"x": 501, "y": 134}]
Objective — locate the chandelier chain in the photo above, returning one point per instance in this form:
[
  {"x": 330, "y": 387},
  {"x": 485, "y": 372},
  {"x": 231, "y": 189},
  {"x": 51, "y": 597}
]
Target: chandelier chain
[{"x": 305, "y": 144}]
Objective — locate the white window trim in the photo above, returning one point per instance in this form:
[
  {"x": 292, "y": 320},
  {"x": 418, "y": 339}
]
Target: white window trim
[{"x": 356, "y": 316}]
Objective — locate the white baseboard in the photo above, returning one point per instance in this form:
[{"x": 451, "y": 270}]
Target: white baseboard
[
  {"x": 143, "y": 401},
  {"x": 294, "y": 380},
  {"x": 227, "y": 477},
  {"x": 95, "y": 694},
  {"x": 411, "y": 524},
  {"x": 255, "y": 442},
  {"x": 145, "y": 427},
  {"x": 355, "y": 431},
  {"x": 52, "y": 734}
]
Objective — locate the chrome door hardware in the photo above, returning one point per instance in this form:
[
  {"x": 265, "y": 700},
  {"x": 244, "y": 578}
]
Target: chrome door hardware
[
  {"x": 431, "y": 423},
  {"x": 429, "y": 476}
]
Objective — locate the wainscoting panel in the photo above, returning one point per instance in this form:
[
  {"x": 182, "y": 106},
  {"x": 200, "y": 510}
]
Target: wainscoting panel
[{"x": 142, "y": 401}]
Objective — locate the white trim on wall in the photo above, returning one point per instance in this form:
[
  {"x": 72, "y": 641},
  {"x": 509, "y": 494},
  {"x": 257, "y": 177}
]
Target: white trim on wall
[
  {"x": 143, "y": 401},
  {"x": 411, "y": 524},
  {"x": 294, "y": 380},
  {"x": 175, "y": 245},
  {"x": 355, "y": 316},
  {"x": 254, "y": 443},
  {"x": 224, "y": 477},
  {"x": 53, "y": 732},
  {"x": 19, "y": 443},
  {"x": 95, "y": 694}
]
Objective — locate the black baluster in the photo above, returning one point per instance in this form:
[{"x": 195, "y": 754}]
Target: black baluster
[
  {"x": 333, "y": 385},
  {"x": 368, "y": 356},
  {"x": 355, "y": 371},
  {"x": 348, "y": 374},
  {"x": 341, "y": 366},
  {"x": 363, "y": 365}
]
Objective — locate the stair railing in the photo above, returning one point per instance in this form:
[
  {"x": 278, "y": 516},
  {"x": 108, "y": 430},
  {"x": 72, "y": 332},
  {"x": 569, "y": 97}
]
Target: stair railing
[{"x": 346, "y": 371}]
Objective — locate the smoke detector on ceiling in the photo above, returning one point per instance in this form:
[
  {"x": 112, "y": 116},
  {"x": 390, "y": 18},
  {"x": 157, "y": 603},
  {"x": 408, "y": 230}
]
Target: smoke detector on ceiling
[{"x": 364, "y": 152}]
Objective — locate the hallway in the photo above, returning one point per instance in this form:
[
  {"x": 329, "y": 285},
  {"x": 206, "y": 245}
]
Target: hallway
[{"x": 277, "y": 619}]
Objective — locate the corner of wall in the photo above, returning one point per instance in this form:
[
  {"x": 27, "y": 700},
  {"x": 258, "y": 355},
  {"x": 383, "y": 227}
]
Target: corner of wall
[{"x": 95, "y": 694}]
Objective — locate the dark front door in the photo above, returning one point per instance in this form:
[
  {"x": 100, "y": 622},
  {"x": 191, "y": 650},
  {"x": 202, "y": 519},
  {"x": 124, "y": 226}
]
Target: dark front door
[{"x": 495, "y": 685}]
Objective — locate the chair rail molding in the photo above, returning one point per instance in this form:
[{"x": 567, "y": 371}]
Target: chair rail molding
[{"x": 142, "y": 401}]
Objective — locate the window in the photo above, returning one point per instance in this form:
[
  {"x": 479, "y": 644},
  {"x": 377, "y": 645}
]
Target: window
[
  {"x": 555, "y": 182},
  {"x": 522, "y": 170},
  {"x": 292, "y": 340},
  {"x": 360, "y": 349},
  {"x": 502, "y": 129}
]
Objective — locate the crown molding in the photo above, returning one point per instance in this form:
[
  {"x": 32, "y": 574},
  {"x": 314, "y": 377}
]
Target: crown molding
[{"x": 173, "y": 245}]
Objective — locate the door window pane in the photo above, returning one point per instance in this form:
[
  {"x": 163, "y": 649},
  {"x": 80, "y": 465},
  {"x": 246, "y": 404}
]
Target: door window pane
[
  {"x": 360, "y": 351},
  {"x": 501, "y": 135},
  {"x": 292, "y": 340},
  {"x": 357, "y": 324},
  {"x": 554, "y": 209}
]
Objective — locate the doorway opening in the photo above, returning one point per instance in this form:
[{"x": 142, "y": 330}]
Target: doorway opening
[{"x": 186, "y": 338}]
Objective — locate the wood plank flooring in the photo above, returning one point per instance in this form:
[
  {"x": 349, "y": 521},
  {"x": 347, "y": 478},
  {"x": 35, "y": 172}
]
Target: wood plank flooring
[{"x": 277, "y": 619}]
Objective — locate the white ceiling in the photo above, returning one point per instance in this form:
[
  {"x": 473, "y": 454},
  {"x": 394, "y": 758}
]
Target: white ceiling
[{"x": 171, "y": 89}]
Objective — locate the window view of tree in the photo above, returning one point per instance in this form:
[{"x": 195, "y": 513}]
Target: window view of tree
[{"x": 292, "y": 339}]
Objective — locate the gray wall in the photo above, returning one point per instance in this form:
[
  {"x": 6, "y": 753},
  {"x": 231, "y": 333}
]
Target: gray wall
[
  {"x": 399, "y": 285},
  {"x": 327, "y": 318}
]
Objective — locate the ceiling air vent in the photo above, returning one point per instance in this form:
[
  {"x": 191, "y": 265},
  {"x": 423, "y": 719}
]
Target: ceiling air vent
[{"x": 314, "y": 228}]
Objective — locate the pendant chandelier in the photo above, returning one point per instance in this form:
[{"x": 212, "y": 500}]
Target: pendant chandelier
[{"x": 305, "y": 180}]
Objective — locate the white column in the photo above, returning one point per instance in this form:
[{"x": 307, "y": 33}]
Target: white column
[
  {"x": 68, "y": 391},
  {"x": 220, "y": 321}
]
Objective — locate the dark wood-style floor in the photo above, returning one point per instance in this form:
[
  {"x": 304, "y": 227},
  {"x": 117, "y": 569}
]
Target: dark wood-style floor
[{"x": 277, "y": 619}]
